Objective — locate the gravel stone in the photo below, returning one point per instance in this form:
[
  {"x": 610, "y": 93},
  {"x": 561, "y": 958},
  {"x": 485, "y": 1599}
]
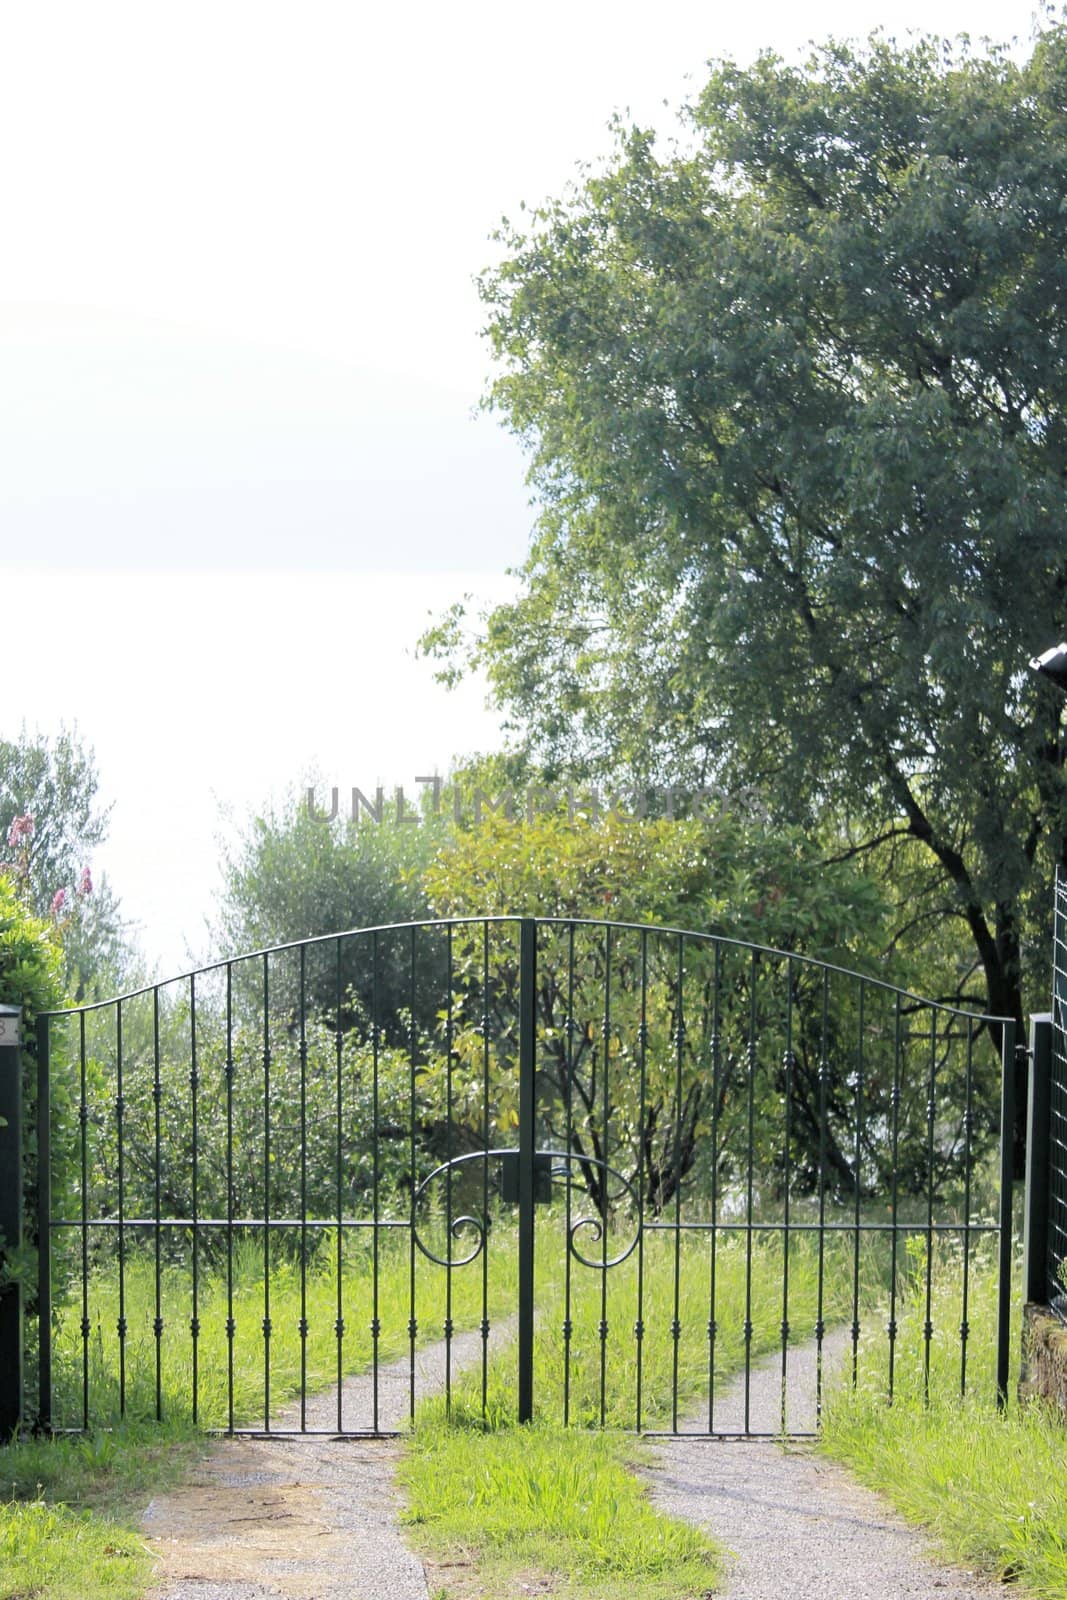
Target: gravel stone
[
  {"x": 302, "y": 1519},
  {"x": 317, "y": 1518},
  {"x": 794, "y": 1523}
]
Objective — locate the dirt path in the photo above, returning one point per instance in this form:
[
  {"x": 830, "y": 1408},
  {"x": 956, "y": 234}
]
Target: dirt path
[
  {"x": 316, "y": 1519},
  {"x": 301, "y": 1519},
  {"x": 796, "y": 1525}
]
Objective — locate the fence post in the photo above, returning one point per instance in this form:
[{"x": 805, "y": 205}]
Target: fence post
[
  {"x": 527, "y": 1144},
  {"x": 10, "y": 1216},
  {"x": 1036, "y": 1200},
  {"x": 1007, "y": 1135},
  {"x": 44, "y": 1228}
]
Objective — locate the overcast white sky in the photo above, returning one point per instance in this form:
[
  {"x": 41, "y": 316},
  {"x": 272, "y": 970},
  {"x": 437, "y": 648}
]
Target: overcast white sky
[{"x": 239, "y": 353}]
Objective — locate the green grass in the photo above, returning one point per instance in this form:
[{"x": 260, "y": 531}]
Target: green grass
[
  {"x": 313, "y": 1291},
  {"x": 69, "y": 1529},
  {"x": 989, "y": 1486},
  {"x": 567, "y": 1373},
  {"x": 67, "y": 1555},
  {"x": 991, "y": 1490},
  {"x": 545, "y": 1503}
]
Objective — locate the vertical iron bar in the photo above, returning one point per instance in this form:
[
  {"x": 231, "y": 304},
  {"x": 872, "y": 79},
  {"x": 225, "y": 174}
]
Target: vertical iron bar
[
  {"x": 891, "y": 1329},
  {"x": 527, "y": 1146},
  {"x": 786, "y": 1178},
  {"x": 303, "y": 1324},
  {"x": 642, "y": 1136},
  {"x": 967, "y": 1123},
  {"x": 928, "y": 1327},
  {"x": 824, "y": 1084},
  {"x": 376, "y": 1030},
  {"x": 603, "y": 1326},
  {"x": 157, "y": 1096},
  {"x": 194, "y": 1091},
  {"x": 120, "y": 1135},
  {"x": 676, "y": 1325},
  {"x": 749, "y": 1186},
  {"x": 231, "y": 1326},
  {"x": 716, "y": 1064},
  {"x": 339, "y": 1204},
  {"x": 858, "y": 1183},
  {"x": 486, "y": 1143},
  {"x": 83, "y": 1119},
  {"x": 44, "y": 1226},
  {"x": 449, "y": 1064},
  {"x": 413, "y": 1325},
  {"x": 568, "y": 1324},
  {"x": 1007, "y": 1124},
  {"x": 266, "y": 1193}
]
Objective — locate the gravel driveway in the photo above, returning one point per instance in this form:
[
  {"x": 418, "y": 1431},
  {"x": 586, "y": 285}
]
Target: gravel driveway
[
  {"x": 301, "y": 1519},
  {"x": 797, "y": 1527},
  {"x": 293, "y": 1519}
]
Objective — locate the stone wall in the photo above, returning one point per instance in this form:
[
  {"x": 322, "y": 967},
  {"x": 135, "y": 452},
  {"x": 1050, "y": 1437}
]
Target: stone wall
[{"x": 1044, "y": 1367}]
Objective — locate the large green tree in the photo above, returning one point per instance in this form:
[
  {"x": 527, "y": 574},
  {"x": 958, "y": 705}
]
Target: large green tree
[
  {"x": 644, "y": 1040},
  {"x": 296, "y": 875},
  {"x": 794, "y": 398}
]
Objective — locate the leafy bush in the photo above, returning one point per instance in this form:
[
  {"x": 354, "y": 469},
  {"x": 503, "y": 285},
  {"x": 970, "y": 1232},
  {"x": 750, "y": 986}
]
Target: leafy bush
[{"x": 31, "y": 964}]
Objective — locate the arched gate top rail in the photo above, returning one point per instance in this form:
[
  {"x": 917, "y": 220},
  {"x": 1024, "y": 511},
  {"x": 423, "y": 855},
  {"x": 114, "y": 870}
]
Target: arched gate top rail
[{"x": 516, "y": 919}]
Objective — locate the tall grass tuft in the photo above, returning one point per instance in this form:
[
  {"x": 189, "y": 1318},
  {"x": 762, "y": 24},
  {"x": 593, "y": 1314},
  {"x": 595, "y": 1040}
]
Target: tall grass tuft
[
  {"x": 989, "y": 1485},
  {"x": 564, "y": 1507},
  {"x": 310, "y": 1291}
]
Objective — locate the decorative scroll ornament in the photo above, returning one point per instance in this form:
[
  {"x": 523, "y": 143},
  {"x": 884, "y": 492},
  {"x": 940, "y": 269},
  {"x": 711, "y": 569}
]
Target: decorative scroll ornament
[
  {"x": 458, "y": 1225},
  {"x": 561, "y": 1162}
]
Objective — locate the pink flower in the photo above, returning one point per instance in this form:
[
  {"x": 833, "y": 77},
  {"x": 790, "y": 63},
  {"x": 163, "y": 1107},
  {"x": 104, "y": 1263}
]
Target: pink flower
[
  {"x": 21, "y": 828},
  {"x": 59, "y": 900},
  {"x": 85, "y": 882}
]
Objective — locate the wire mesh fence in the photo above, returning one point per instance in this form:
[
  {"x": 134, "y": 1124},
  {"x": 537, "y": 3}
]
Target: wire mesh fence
[{"x": 1057, "y": 1218}]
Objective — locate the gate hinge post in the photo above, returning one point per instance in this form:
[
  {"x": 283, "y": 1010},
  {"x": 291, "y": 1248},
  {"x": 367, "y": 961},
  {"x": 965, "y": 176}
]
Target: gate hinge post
[
  {"x": 10, "y": 1216},
  {"x": 1036, "y": 1196}
]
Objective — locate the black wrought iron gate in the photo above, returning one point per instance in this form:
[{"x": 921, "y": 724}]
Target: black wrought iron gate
[{"x": 589, "y": 1170}]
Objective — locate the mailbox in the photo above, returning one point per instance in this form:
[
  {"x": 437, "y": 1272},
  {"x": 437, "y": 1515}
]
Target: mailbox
[
  {"x": 10, "y": 1026},
  {"x": 509, "y": 1177}
]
